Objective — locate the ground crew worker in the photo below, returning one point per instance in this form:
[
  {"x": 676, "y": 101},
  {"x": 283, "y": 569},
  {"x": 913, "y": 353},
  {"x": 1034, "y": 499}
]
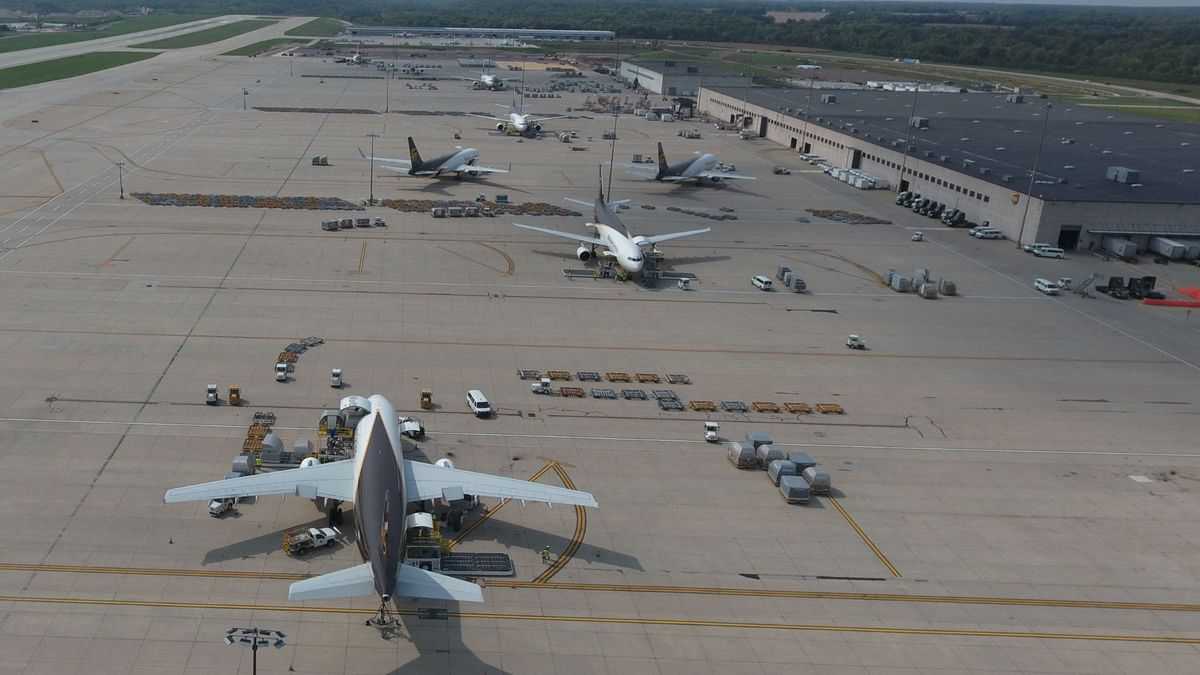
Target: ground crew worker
[{"x": 546, "y": 555}]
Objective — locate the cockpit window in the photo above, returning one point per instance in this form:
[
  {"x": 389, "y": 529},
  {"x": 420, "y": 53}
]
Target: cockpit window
[{"x": 635, "y": 259}]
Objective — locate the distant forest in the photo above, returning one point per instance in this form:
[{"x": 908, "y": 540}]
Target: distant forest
[{"x": 1136, "y": 43}]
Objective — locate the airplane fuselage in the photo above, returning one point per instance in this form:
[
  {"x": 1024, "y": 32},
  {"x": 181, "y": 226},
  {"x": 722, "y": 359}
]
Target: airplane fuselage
[
  {"x": 621, "y": 248},
  {"x": 447, "y": 164},
  {"x": 692, "y": 169},
  {"x": 380, "y": 504}
]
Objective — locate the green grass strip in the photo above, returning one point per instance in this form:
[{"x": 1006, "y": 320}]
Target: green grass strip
[
  {"x": 113, "y": 29},
  {"x": 206, "y": 36},
  {"x": 70, "y": 66},
  {"x": 323, "y": 27},
  {"x": 263, "y": 47}
]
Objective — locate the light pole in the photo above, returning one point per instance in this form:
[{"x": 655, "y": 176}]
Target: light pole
[
  {"x": 908, "y": 137},
  {"x": 121, "y": 177},
  {"x": 371, "y": 200},
  {"x": 387, "y": 89},
  {"x": 255, "y": 637},
  {"x": 1037, "y": 160},
  {"x": 245, "y": 93}
]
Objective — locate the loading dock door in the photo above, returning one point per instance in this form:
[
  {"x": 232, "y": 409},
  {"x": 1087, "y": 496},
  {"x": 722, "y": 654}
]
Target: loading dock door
[
  {"x": 807, "y": 148},
  {"x": 762, "y": 128},
  {"x": 793, "y": 145},
  {"x": 856, "y": 159},
  {"x": 1068, "y": 237},
  {"x": 903, "y": 186}
]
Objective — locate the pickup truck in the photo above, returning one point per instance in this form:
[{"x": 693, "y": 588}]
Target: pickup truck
[
  {"x": 219, "y": 507},
  {"x": 299, "y": 542}
]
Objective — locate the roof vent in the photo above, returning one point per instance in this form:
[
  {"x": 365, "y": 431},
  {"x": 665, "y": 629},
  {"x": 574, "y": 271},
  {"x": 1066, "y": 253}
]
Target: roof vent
[
  {"x": 1068, "y": 167},
  {"x": 918, "y": 122},
  {"x": 896, "y": 143},
  {"x": 964, "y": 139},
  {"x": 999, "y": 148},
  {"x": 929, "y": 153},
  {"x": 1127, "y": 133},
  {"x": 984, "y": 171},
  {"x": 945, "y": 158},
  {"x": 1189, "y": 171},
  {"x": 967, "y": 163},
  {"x": 1124, "y": 175},
  {"x": 1007, "y": 178},
  {"x": 1014, "y": 98}
]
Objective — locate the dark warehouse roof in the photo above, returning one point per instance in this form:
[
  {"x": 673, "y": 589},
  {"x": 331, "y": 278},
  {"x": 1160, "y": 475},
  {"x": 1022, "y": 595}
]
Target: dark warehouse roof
[{"x": 987, "y": 137}]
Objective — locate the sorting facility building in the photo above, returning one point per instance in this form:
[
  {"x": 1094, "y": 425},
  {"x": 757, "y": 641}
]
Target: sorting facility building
[
  {"x": 677, "y": 78},
  {"x": 1101, "y": 175}
]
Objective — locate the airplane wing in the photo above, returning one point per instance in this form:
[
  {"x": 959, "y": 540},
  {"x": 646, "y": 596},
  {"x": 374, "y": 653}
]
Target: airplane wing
[
  {"x": 724, "y": 176},
  {"x": 427, "y": 481},
  {"x": 387, "y": 160},
  {"x": 333, "y": 479},
  {"x": 466, "y": 168},
  {"x": 546, "y": 119},
  {"x": 486, "y": 117},
  {"x": 643, "y": 241},
  {"x": 358, "y": 581},
  {"x": 559, "y": 233}
]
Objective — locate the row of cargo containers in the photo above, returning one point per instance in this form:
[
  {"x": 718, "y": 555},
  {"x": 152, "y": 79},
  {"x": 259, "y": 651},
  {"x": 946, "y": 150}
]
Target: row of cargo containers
[
  {"x": 247, "y": 201},
  {"x": 611, "y": 376},
  {"x": 790, "y": 279},
  {"x": 1163, "y": 246},
  {"x": 461, "y": 211}
]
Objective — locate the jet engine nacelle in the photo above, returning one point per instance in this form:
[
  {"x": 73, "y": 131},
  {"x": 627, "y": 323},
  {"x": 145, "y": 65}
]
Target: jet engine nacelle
[
  {"x": 583, "y": 253},
  {"x": 500, "y": 126},
  {"x": 445, "y": 463},
  {"x": 309, "y": 462},
  {"x": 714, "y": 179},
  {"x": 537, "y": 128}
]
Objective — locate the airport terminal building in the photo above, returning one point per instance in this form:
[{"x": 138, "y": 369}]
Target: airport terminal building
[
  {"x": 529, "y": 34},
  {"x": 677, "y": 78},
  {"x": 1099, "y": 173}
]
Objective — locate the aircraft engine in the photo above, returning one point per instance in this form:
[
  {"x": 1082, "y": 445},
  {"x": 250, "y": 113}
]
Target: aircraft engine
[
  {"x": 310, "y": 462},
  {"x": 639, "y": 241},
  {"x": 537, "y": 128},
  {"x": 714, "y": 179},
  {"x": 583, "y": 253},
  {"x": 445, "y": 463},
  {"x": 500, "y": 126}
]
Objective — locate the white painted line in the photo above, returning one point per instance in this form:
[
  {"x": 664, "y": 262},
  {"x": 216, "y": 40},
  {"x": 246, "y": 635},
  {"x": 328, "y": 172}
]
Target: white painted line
[
  {"x": 1165, "y": 452},
  {"x": 1141, "y": 479}
]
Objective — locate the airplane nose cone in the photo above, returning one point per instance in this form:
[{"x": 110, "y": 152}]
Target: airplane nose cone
[{"x": 635, "y": 266}]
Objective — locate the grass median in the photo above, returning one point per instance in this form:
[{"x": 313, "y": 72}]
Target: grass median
[
  {"x": 207, "y": 36},
  {"x": 323, "y": 27},
  {"x": 264, "y": 46},
  {"x": 71, "y": 66},
  {"x": 120, "y": 27}
]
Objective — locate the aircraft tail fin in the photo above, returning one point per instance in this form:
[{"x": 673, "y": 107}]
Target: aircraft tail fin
[
  {"x": 413, "y": 154},
  {"x": 662, "y": 161}
]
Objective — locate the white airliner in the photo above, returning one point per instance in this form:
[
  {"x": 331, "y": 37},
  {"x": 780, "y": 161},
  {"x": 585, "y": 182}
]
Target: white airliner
[
  {"x": 613, "y": 236},
  {"x": 382, "y": 485},
  {"x": 518, "y": 122},
  {"x": 486, "y": 80},
  {"x": 460, "y": 163},
  {"x": 701, "y": 169}
]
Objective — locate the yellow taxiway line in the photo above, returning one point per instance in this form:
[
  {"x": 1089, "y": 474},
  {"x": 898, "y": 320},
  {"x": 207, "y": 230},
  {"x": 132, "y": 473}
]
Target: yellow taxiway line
[
  {"x": 638, "y": 621},
  {"x": 576, "y": 537},
  {"x": 865, "y": 537},
  {"x": 641, "y": 588}
]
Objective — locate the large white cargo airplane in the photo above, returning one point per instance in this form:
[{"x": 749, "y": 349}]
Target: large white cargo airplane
[
  {"x": 486, "y": 80},
  {"x": 519, "y": 122},
  {"x": 459, "y": 163},
  {"x": 381, "y": 484},
  {"x": 612, "y": 235},
  {"x": 702, "y": 169}
]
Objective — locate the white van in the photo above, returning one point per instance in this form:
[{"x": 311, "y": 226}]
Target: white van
[
  {"x": 987, "y": 233},
  {"x": 1049, "y": 252},
  {"x": 1046, "y": 286},
  {"x": 478, "y": 403},
  {"x": 761, "y": 283}
]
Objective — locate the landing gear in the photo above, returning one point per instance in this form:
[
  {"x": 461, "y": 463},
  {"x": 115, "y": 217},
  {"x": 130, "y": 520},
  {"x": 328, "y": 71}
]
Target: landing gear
[{"x": 386, "y": 617}]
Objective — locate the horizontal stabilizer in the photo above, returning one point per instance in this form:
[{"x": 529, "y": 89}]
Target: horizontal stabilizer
[
  {"x": 413, "y": 582},
  {"x": 351, "y": 582}
]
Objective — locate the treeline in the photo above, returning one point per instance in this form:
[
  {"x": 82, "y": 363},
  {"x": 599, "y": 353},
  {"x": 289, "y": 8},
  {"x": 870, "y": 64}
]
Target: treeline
[{"x": 1137, "y": 43}]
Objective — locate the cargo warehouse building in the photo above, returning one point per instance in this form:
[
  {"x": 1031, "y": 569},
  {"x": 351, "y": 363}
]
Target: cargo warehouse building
[
  {"x": 530, "y": 34},
  {"x": 1102, "y": 176},
  {"x": 677, "y": 78}
]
